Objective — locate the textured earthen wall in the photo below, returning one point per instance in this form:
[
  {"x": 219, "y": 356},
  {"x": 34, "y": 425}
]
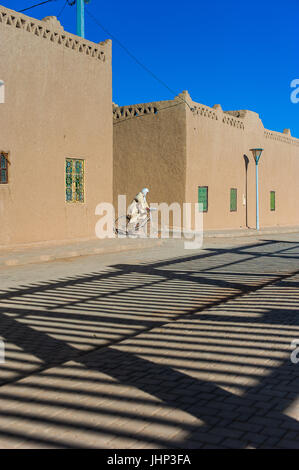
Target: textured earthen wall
[
  {"x": 279, "y": 172},
  {"x": 217, "y": 146},
  {"x": 58, "y": 93},
  {"x": 150, "y": 151},
  {"x": 176, "y": 150}
]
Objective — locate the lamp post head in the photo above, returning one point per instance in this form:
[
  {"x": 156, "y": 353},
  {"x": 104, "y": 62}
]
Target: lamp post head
[{"x": 256, "y": 154}]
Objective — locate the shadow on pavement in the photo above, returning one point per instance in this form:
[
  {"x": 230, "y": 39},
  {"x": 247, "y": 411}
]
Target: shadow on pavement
[{"x": 185, "y": 353}]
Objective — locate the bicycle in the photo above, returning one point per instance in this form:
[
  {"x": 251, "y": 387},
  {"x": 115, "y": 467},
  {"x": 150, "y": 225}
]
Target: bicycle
[{"x": 123, "y": 227}]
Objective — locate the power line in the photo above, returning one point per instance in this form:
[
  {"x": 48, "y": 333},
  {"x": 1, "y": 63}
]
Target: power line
[
  {"x": 71, "y": 3},
  {"x": 135, "y": 58},
  {"x": 37, "y": 5},
  {"x": 62, "y": 9}
]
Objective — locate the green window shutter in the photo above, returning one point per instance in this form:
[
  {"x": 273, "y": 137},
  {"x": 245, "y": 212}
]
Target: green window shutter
[
  {"x": 203, "y": 197},
  {"x": 69, "y": 180},
  {"x": 79, "y": 180},
  {"x": 3, "y": 169},
  {"x": 272, "y": 200},
  {"x": 74, "y": 180},
  {"x": 233, "y": 199}
]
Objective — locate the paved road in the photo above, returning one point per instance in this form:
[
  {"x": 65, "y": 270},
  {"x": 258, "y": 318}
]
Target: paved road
[{"x": 163, "y": 348}]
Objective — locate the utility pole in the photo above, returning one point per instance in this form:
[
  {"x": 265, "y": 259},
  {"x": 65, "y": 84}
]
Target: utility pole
[{"x": 80, "y": 18}]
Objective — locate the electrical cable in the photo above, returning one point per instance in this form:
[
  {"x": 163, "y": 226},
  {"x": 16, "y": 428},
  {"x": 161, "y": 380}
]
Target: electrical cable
[
  {"x": 37, "y": 5},
  {"x": 135, "y": 58},
  {"x": 62, "y": 9}
]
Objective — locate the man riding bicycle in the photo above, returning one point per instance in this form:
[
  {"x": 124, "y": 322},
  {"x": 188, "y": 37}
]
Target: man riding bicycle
[{"x": 138, "y": 209}]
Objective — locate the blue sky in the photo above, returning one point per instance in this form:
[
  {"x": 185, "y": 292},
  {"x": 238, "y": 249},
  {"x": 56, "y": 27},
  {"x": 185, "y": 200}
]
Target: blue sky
[{"x": 242, "y": 55}]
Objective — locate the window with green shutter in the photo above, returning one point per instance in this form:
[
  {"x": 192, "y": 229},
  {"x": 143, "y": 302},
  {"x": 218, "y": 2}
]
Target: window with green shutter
[
  {"x": 233, "y": 200},
  {"x": 203, "y": 197},
  {"x": 3, "y": 168},
  {"x": 272, "y": 200},
  {"x": 74, "y": 180}
]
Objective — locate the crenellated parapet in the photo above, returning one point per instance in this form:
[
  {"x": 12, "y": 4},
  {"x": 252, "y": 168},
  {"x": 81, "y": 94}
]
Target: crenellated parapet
[
  {"x": 121, "y": 113},
  {"x": 233, "y": 122},
  {"x": 205, "y": 111},
  {"x": 238, "y": 119},
  {"x": 50, "y": 29},
  {"x": 281, "y": 137},
  {"x": 226, "y": 117},
  {"x": 238, "y": 113}
]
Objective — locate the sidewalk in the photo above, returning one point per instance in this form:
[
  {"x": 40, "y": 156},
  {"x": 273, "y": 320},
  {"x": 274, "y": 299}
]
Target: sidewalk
[
  {"x": 43, "y": 252},
  {"x": 50, "y": 251},
  {"x": 250, "y": 232}
]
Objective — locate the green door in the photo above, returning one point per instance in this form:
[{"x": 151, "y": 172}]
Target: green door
[
  {"x": 233, "y": 200},
  {"x": 203, "y": 197},
  {"x": 272, "y": 200}
]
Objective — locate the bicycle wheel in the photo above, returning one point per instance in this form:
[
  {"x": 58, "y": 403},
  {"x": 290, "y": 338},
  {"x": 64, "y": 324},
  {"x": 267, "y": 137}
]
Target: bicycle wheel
[
  {"x": 120, "y": 225},
  {"x": 143, "y": 223},
  {"x": 138, "y": 228},
  {"x": 141, "y": 229}
]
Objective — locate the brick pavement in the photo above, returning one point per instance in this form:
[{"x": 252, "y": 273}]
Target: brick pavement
[{"x": 185, "y": 352}]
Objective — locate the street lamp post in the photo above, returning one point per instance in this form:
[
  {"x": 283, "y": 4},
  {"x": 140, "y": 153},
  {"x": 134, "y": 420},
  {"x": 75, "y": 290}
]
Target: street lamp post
[{"x": 257, "y": 155}]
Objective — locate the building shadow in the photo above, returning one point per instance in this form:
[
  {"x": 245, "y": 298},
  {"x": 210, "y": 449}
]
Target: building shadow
[{"x": 190, "y": 352}]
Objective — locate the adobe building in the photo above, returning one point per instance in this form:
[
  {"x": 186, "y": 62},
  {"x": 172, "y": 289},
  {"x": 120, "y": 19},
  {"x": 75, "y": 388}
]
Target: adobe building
[
  {"x": 56, "y": 131},
  {"x": 187, "y": 152}
]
